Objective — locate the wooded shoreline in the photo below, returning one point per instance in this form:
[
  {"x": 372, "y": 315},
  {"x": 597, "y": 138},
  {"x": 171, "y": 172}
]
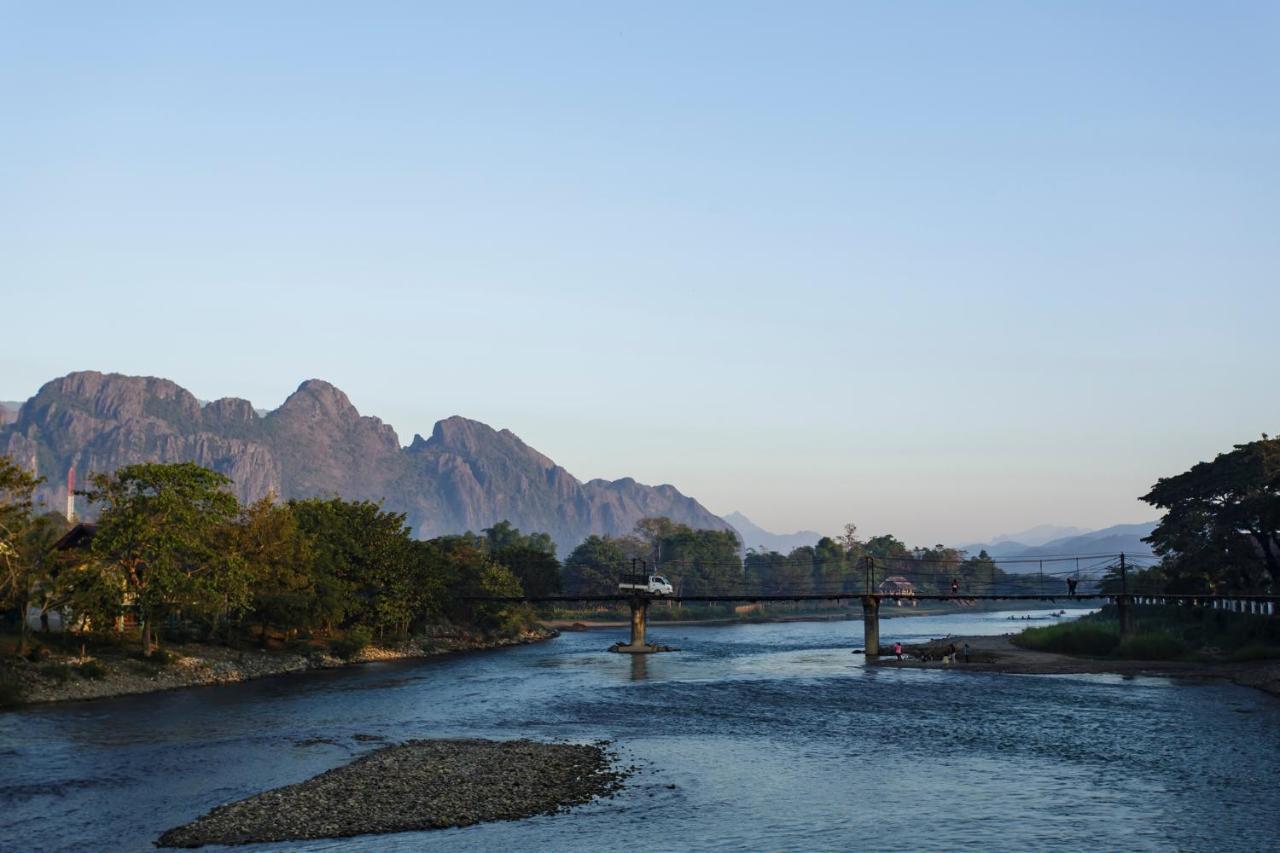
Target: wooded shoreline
[{"x": 197, "y": 665}]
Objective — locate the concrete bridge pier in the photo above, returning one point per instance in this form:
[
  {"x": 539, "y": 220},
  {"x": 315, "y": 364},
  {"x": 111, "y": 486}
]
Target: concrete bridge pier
[
  {"x": 639, "y": 623},
  {"x": 871, "y": 625},
  {"x": 1124, "y": 611}
]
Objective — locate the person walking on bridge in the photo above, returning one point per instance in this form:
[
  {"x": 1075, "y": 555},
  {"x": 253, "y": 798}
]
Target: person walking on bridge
[
  {"x": 897, "y": 650},
  {"x": 955, "y": 586},
  {"x": 1071, "y": 586}
]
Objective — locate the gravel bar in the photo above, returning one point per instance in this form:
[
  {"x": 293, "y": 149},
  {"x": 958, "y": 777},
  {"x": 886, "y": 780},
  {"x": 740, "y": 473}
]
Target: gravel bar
[{"x": 417, "y": 785}]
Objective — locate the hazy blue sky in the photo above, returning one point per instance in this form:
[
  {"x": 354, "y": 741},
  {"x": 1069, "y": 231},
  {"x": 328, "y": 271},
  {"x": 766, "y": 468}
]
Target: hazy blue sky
[{"x": 941, "y": 269}]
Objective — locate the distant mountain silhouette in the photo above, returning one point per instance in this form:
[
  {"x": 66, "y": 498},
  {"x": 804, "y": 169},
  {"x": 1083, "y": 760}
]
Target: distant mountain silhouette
[
  {"x": 466, "y": 476},
  {"x": 754, "y": 536},
  {"x": 1040, "y": 534},
  {"x": 1120, "y": 538}
]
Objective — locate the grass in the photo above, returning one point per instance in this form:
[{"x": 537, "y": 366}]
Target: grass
[
  {"x": 1072, "y": 638},
  {"x": 1256, "y": 651},
  {"x": 1162, "y": 633},
  {"x": 1155, "y": 645}
]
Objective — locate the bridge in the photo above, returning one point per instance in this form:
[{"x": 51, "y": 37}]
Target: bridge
[{"x": 1123, "y": 601}]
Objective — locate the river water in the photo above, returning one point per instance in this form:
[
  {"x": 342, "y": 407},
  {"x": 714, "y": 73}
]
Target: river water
[{"x": 768, "y": 736}]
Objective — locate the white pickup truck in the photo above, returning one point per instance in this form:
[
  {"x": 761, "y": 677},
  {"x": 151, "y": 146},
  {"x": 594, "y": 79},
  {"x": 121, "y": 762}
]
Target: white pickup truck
[{"x": 651, "y": 584}]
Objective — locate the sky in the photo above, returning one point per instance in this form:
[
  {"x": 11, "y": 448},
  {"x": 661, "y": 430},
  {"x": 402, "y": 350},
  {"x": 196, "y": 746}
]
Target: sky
[{"x": 942, "y": 270}]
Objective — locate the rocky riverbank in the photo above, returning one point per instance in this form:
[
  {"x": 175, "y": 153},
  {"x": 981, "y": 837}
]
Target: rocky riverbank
[
  {"x": 417, "y": 785},
  {"x": 63, "y": 678},
  {"x": 998, "y": 654}
]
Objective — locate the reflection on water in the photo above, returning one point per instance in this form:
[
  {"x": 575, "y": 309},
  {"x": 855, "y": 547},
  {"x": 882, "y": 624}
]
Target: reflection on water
[{"x": 761, "y": 736}]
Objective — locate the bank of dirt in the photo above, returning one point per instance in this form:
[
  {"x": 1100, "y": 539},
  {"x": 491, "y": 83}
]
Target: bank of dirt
[
  {"x": 63, "y": 678},
  {"x": 999, "y": 654},
  {"x": 418, "y": 785}
]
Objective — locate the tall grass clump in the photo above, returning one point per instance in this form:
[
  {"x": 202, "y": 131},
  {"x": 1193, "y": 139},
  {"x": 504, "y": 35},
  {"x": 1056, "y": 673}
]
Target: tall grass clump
[
  {"x": 1072, "y": 638},
  {"x": 1155, "y": 645}
]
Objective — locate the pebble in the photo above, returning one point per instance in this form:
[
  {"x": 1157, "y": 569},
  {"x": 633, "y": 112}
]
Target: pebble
[{"x": 417, "y": 785}]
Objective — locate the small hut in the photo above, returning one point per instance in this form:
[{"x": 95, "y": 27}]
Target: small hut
[{"x": 899, "y": 588}]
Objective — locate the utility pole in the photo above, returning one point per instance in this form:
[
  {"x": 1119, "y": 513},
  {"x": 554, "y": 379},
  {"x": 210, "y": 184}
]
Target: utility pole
[
  {"x": 1042, "y": 577},
  {"x": 1122, "y": 601}
]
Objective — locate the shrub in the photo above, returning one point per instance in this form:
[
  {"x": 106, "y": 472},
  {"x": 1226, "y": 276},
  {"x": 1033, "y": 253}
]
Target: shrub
[
  {"x": 91, "y": 671},
  {"x": 157, "y": 658},
  {"x": 1071, "y": 638},
  {"x": 1151, "y": 646},
  {"x": 38, "y": 653},
  {"x": 1256, "y": 651},
  {"x": 59, "y": 672},
  {"x": 353, "y": 641},
  {"x": 12, "y": 692}
]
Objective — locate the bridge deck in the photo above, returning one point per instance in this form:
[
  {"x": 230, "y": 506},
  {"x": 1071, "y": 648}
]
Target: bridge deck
[{"x": 857, "y": 596}]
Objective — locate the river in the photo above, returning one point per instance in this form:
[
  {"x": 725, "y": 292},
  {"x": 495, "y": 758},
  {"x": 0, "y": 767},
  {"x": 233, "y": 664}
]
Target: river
[{"x": 770, "y": 736}]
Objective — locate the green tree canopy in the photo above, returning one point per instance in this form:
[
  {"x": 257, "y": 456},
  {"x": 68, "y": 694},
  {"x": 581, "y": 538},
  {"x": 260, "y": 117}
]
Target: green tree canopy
[
  {"x": 361, "y": 564},
  {"x": 163, "y": 530},
  {"x": 279, "y": 559},
  {"x": 1222, "y": 518},
  {"x": 16, "y": 488},
  {"x": 503, "y": 536},
  {"x": 595, "y": 566},
  {"x": 536, "y": 569}
]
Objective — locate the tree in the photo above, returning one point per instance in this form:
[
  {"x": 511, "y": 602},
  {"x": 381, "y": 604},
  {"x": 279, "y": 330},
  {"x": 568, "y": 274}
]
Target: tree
[
  {"x": 503, "y": 536},
  {"x": 595, "y": 566},
  {"x": 16, "y": 489},
  {"x": 163, "y": 532},
  {"x": 698, "y": 562},
  {"x": 278, "y": 558},
  {"x": 537, "y": 570},
  {"x": 497, "y": 581},
  {"x": 771, "y": 573},
  {"x": 829, "y": 566},
  {"x": 1222, "y": 518},
  {"x": 41, "y": 585},
  {"x": 361, "y": 564}
]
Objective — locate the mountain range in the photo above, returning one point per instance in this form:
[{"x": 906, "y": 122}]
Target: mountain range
[
  {"x": 465, "y": 476},
  {"x": 1040, "y": 534},
  {"x": 754, "y": 536},
  {"x": 1119, "y": 538}
]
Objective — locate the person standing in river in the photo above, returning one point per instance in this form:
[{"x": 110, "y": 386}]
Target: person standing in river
[{"x": 966, "y": 652}]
